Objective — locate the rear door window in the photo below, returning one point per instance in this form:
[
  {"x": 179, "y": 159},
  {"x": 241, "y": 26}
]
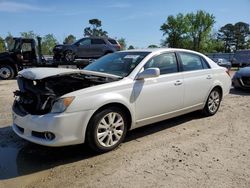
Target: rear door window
[
  {"x": 26, "y": 47},
  {"x": 112, "y": 41},
  {"x": 191, "y": 62},
  {"x": 97, "y": 41}
]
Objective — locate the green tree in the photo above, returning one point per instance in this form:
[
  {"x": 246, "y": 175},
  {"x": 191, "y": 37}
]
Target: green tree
[
  {"x": 95, "y": 29},
  {"x": 241, "y": 33},
  {"x": 199, "y": 26},
  {"x": 69, "y": 39},
  {"x": 175, "y": 28},
  {"x": 131, "y": 47},
  {"x": 248, "y": 43},
  {"x": 212, "y": 44},
  {"x": 48, "y": 43},
  {"x": 152, "y": 46},
  {"x": 29, "y": 34},
  {"x": 234, "y": 36},
  {"x": 2, "y": 45},
  {"x": 226, "y": 35},
  {"x": 122, "y": 42}
]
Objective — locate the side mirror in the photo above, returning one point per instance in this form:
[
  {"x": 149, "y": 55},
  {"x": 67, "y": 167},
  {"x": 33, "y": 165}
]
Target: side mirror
[{"x": 149, "y": 73}]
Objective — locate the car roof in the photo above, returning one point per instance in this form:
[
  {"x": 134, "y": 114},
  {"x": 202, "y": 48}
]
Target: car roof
[
  {"x": 159, "y": 50},
  {"x": 96, "y": 37}
]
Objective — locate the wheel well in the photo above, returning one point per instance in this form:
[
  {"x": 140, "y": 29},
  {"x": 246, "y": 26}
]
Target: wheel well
[
  {"x": 119, "y": 105},
  {"x": 220, "y": 90},
  {"x": 108, "y": 52}
]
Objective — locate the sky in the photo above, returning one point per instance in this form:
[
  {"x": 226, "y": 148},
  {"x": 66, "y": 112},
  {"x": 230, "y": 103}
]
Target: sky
[{"x": 137, "y": 21}]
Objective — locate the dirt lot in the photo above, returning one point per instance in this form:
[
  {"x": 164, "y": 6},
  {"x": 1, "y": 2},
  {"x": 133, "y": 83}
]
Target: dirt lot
[{"x": 188, "y": 151}]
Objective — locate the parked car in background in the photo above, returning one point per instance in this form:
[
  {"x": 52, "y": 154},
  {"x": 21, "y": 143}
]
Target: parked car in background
[
  {"x": 86, "y": 48},
  {"x": 241, "y": 78},
  {"x": 116, "y": 93},
  {"x": 223, "y": 62},
  {"x": 241, "y": 58}
]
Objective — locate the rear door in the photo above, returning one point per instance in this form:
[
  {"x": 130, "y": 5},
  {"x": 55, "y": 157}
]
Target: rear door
[
  {"x": 197, "y": 77},
  {"x": 97, "y": 47}
]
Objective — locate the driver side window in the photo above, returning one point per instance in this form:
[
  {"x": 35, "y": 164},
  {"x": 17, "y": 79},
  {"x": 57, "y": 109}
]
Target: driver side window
[
  {"x": 85, "y": 42},
  {"x": 167, "y": 63}
]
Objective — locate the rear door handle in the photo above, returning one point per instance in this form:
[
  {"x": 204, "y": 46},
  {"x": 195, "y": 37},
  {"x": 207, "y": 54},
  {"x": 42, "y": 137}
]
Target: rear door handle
[
  {"x": 178, "y": 82},
  {"x": 209, "y": 77}
]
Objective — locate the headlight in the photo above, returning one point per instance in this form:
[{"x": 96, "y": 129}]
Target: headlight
[{"x": 61, "y": 104}]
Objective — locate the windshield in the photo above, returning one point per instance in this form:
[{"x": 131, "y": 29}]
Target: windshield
[
  {"x": 76, "y": 42},
  {"x": 120, "y": 63}
]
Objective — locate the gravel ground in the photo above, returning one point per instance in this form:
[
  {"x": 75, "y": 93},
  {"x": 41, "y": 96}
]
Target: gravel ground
[{"x": 187, "y": 151}]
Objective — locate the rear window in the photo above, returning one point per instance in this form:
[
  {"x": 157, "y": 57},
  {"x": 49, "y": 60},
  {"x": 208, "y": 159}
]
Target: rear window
[
  {"x": 97, "y": 41},
  {"x": 112, "y": 41}
]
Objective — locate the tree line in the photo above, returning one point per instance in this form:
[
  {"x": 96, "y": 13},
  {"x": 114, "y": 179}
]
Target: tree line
[
  {"x": 195, "y": 31},
  {"x": 191, "y": 31}
]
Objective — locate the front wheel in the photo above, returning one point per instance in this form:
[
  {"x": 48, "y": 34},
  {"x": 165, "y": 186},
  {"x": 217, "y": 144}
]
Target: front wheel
[
  {"x": 213, "y": 102},
  {"x": 6, "y": 72},
  {"x": 69, "y": 56},
  {"x": 107, "y": 129}
]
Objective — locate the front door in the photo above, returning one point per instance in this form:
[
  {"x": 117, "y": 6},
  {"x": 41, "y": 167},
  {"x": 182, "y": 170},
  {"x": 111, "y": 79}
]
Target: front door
[
  {"x": 159, "y": 97},
  {"x": 83, "y": 49}
]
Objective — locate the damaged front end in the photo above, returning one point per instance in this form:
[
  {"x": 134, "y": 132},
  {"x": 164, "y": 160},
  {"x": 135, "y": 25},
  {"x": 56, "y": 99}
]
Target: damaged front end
[{"x": 37, "y": 95}]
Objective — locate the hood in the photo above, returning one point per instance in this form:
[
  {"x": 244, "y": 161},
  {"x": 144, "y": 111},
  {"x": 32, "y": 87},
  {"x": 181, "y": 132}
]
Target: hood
[
  {"x": 4, "y": 54},
  {"x": 42, "y": 73},
  {"x": 244, "y": 71}
]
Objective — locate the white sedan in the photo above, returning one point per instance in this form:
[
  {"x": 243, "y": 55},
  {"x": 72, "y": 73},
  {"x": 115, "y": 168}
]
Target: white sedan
[{"x": 114, "y": 94}]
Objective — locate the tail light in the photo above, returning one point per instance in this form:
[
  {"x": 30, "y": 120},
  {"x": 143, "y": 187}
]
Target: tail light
[{"x": 119, "y": 47}]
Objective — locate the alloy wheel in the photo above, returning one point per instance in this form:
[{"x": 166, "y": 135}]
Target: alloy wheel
[
  {"x": 214, "y": 101},
  {"x": 69, "y": 56},
  {"x": 110, "y": 129}
]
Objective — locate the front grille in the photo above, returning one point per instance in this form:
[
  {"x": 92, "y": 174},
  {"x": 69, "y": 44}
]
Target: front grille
[{"x": 246, "y": 81}]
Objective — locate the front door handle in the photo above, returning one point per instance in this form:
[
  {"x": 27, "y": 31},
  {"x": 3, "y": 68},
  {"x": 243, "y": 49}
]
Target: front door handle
[{"x": 178, "y": 82}]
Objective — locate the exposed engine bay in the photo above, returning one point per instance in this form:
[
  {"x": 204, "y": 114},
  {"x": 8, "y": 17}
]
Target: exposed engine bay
[{"x": 37, "y": 97}]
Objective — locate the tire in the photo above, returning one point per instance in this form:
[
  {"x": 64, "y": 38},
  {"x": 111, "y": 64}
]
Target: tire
[
  {"x": 213, "y": 102},
  {"x": 110, "y": 136},
  {"x": 6, "y": 72},
  {"x": 69, "y": 56}
]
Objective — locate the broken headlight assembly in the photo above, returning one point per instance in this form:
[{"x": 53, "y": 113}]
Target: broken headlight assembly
[{"x": 61, "y": 104}]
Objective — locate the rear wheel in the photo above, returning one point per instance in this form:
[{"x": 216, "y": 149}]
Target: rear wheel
[
  {"x": 6, "y": 72},
  {"x": 107, "y": 129},
  {"x": 213, "y": 102},
  {"x": 69, "y": 56}
]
